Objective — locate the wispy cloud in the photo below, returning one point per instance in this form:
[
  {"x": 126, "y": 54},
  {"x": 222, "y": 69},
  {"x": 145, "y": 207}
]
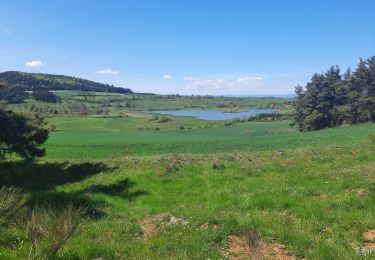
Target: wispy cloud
[
  {"x": 207, "y": 84},
  {"x": 221, "y": 84},
  {"x": 107, "y": 72},
  {"x": 34, "y": 63},
  {"x": 226, "y": 83},
  {"x": 167, "y": 76},
  {"x": 249, "y": 79}
]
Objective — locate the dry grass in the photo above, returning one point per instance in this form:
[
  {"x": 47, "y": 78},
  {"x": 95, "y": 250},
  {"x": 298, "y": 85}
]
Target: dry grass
[
  {"x": 48, "y": 229},
  {"x": 11, "y": 201}
]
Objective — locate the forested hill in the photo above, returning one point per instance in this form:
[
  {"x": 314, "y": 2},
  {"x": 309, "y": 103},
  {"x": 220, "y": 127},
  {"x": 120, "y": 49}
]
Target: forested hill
[{"x": 33, "y": 81}]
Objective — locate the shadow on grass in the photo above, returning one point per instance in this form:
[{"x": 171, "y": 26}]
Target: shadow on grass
[
  {"x": 94, "y": 208},
  {"x": 121, "y": 189},
  {"x": 39, "y": 181},
  {"x": 33, "y": 177}
]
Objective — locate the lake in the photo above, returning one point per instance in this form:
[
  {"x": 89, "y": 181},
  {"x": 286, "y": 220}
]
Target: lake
[{"x": 214, "y": 114}]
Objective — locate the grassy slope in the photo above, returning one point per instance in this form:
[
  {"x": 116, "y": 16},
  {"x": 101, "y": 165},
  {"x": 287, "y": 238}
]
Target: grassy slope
[
  {"x": 309, "y": 200},
  {"x": 317, "y": 200}
]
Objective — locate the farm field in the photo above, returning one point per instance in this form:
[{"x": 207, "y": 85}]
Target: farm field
[{"x": 106, "y": 137}]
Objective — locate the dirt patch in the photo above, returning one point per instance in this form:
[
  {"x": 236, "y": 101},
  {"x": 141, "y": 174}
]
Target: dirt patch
[
  {"x": 369, "y": 238},
  {"x": 238, "y": 249},
  {"x": 151, "y": 225},
  {"x": 359, "y": 192}
]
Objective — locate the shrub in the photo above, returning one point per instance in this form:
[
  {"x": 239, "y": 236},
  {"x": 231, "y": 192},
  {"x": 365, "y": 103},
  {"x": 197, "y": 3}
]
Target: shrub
[{"x": 164, "y": 119}]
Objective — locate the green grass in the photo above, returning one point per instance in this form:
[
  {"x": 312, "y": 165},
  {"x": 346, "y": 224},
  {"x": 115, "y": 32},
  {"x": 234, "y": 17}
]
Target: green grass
[
  {"x": 314, "y": 192},
  {"x": 305, "y": 199},
  {"x": 106, "y": 137}
]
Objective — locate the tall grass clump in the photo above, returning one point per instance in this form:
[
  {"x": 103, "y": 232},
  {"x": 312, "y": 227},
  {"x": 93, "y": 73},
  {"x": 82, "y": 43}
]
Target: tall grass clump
[
  {"x": 171, "y": 164},
  {"x": 48, "y": 229},
  {"x": 11, "y": 203}
]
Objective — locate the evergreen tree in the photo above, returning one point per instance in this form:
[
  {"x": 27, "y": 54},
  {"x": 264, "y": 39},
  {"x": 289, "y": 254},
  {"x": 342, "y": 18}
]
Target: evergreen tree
[
  {"x": 22, "y": 134},
  {"x": 330, "y": 99}
]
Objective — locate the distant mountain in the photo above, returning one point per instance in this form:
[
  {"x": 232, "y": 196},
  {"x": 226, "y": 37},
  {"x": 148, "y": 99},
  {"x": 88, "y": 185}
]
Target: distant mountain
[{"x": 32, "y": 81}]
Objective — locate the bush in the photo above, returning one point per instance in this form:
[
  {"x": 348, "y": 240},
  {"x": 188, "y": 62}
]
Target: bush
[{"x": 164, "y": 119}]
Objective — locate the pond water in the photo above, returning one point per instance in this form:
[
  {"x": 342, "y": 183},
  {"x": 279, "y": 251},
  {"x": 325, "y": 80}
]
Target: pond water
[{"x": 214, "y": 114}]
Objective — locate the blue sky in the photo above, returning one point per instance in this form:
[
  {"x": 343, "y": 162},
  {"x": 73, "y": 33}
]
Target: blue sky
[{"x": 187, "y": 47}]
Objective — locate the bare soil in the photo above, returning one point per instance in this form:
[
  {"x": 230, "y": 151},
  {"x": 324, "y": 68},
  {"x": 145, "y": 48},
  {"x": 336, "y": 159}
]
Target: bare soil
[{"x": 239, "y": 250}]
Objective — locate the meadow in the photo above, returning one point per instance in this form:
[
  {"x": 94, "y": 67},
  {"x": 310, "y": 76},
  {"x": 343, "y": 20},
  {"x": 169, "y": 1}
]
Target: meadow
[
  {"x": 316, "y": 202},
  {"x": 185, "y": 188}
]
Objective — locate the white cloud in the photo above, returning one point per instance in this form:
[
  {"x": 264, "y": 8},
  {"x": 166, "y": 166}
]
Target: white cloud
[
  {"x": 167, "y": 76},
  {"x": 107, "y": 72},
  {"x": 34, "y": 63},
  {"x": 227, "y": 83},
  {"x": 249, "y": 79},
  {"x": 1, "y": 65}
]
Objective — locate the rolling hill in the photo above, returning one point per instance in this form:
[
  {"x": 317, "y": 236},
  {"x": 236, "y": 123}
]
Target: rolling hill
[{"x": 32, "y": 81}]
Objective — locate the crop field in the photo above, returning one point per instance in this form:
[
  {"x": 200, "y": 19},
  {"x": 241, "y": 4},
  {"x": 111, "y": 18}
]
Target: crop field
[{"x": 107, "y": 137}]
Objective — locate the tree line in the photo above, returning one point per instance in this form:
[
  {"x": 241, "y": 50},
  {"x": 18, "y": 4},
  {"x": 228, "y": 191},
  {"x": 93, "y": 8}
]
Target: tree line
[
  {"x": 332, "y": 99},
  {"x": 40, "y": 81},
  {"x": 18, "y": 95}
]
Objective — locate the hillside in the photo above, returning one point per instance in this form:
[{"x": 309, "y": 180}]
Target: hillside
[{"x": 31, "y": 81}]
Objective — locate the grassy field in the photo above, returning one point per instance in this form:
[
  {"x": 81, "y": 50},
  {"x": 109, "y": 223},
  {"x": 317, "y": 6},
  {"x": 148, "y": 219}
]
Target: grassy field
[
  {"x": 263, "y": 182},
  {"x": 106, "y": 138},
  {"x": 317, "y": 202}
]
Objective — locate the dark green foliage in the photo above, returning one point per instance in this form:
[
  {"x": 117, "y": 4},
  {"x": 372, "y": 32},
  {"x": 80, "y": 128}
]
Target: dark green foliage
[
  {"x": 12, "y": 95},
  {"x": 45, "y": 96},
  {"x": 330, "y": 100},
  {"x": 22, "y": 134},
  {"x": 164, "y": 119},
  {"x": 33, "y": 81}
]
